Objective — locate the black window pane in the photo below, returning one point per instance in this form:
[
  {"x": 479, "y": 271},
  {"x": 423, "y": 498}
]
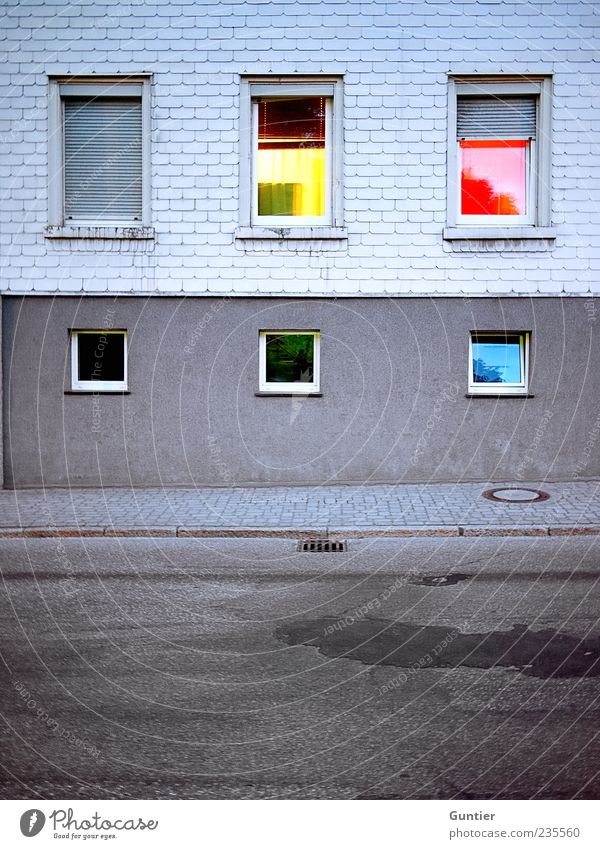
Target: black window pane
[
  {"x": 101, "y": 356},
  {"x": 290, "y": 358}
]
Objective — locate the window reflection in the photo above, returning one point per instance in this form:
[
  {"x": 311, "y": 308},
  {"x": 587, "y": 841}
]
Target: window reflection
[
  {"x": 494, "y": 177},
  {"x": 291, "y": 157},
  {"x": 497, "y": 359},
  {"x": 290, "y": 358}
]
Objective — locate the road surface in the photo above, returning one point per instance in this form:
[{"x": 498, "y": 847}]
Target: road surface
[{"x": 441, "y": 668}]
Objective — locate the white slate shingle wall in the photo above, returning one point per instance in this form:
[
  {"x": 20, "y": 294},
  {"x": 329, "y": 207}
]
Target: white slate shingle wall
[{"x": 395, "y": 58}]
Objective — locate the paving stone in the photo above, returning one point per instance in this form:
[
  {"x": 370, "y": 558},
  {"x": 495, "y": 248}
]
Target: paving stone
[{"x": 573, "y": 507}]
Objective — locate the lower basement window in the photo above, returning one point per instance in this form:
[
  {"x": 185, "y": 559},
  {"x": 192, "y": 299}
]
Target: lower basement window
[
  {"x": 99, "y": 360},
  {"x": 498, "y": 363},
  {"x": 289, "y": 361}
]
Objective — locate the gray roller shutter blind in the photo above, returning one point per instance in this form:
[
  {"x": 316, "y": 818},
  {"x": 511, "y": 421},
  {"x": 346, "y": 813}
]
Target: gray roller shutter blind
[
  {"x": 103, "y": 158},
  {"x": 496, "y": 117}
]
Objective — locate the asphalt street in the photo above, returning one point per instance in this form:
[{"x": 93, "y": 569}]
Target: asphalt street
[{"x": 231, "y": 668}]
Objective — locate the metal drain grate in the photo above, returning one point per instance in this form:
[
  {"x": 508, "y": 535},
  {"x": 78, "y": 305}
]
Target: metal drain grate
[{"x": 322, "y": 545}]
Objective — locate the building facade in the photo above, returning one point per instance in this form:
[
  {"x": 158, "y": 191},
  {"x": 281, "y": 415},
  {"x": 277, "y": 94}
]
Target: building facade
[{"x": 300, "y": 242}]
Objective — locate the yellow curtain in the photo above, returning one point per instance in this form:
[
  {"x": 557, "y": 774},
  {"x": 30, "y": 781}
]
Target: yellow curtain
[{"x": 291, "y": 181}]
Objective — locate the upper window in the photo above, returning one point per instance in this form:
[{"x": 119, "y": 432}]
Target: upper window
[
  {"x": 499, "y": 153},
  {"x": 498, "y": 363},
  {"x": 99, "y": 360},
  {"x": 289, "y": 361},
  {"x": 293, "y": 157},
  {"x": 496, "y": 146},
  {"x": 99, "y": 153}
]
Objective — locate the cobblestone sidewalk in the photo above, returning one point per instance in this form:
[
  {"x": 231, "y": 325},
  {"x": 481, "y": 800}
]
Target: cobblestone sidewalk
[{"x": 396, "y": 509}]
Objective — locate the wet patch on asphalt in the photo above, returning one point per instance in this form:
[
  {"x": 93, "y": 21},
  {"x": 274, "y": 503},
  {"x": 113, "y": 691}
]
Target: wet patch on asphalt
[
  {"x": 541, "y": 654},
  {"x": 441, "y": 580}
]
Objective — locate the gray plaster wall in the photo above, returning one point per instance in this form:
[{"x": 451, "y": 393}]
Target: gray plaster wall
[{"x": 393, "y": 377}]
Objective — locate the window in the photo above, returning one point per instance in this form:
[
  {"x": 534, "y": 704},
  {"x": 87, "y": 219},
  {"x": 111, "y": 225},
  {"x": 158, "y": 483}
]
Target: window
[
  {"x": 291, "y": 163},
  {"x": 499, "y": 154},
  {"x": 289, "y": 361},
  {"x": 99, "y": 360},
  {"x": 99, "y": 152},
  {"x": 498, "y": 363},
  {"x": 292, "y": 158}
]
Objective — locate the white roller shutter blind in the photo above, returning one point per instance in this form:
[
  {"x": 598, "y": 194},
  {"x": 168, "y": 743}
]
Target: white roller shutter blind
[
  {"x": 496, "y": 117},
  {"x": 103, "y": 158}
]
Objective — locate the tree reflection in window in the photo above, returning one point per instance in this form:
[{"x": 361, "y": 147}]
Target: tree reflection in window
[
  {"x": 479, "y": 198},
  {"x": 290, "y": 358},
  {"x": 483, "y": 373}
]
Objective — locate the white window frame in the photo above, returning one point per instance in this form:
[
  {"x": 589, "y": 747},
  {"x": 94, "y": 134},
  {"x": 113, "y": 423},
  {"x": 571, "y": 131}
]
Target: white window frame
[
  {"x": 114, "y": 86},
  {"x": 254, "y": 88},
  {"x": 97, "y": 385},
  {"x": 293, "y": 220},
  {"x": 538, "y": 185},
  {"x": 520, "y": 388},
  {"x": 288, "y": 388}
]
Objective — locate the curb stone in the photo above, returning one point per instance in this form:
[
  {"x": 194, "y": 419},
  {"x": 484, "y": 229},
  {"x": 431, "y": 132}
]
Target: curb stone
[
  {"x": 298, "y": 533},
  {"x": 576, "y": 530},
  {"x": 138, "y": 532},
  {"x": 506, "y": 532}
]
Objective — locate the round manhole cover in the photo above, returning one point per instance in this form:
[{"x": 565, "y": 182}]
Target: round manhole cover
[{"x": 516, "y": 495}]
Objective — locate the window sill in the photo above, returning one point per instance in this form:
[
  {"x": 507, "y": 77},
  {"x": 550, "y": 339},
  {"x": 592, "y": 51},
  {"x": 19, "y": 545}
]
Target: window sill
[
  {"x": 479, "y": 233},
  {"x": 97, "y": 392},
  {"x": 288, "y": 394},
  {"x": 282, "y": 233},
  {"x": 99, "y": 231},
  {"x": 499, "y": 395}
]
